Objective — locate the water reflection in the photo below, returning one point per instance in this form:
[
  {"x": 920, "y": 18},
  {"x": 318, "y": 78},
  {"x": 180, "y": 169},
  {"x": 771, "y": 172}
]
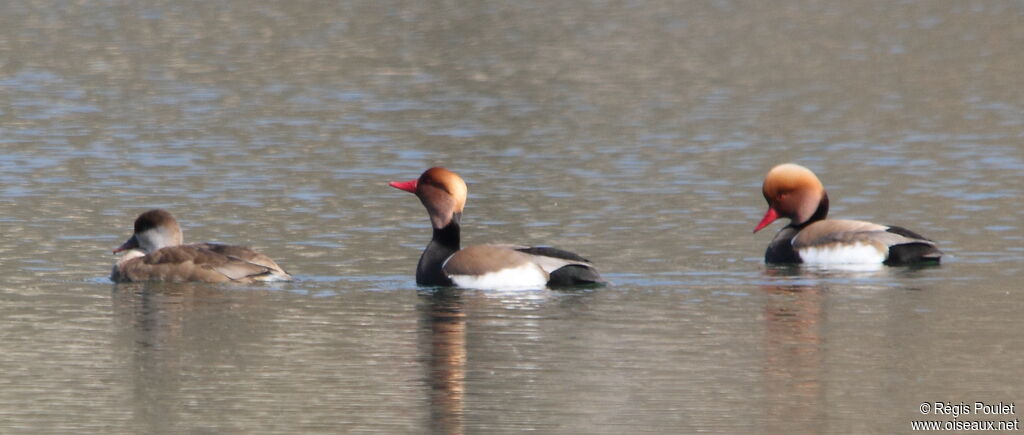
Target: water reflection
[
  {"x": 173, "y": 330},
  {"x": 793, "y": 356},
  {"x": 444, "y": 318},
  {"x": 154, "y": 311},
  {"x": 637, "y": 135},
  {"x": 856, "y": 275}
]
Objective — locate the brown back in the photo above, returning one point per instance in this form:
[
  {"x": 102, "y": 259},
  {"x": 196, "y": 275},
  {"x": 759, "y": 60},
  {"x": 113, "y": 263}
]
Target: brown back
[{"x": 199, "y": 262}]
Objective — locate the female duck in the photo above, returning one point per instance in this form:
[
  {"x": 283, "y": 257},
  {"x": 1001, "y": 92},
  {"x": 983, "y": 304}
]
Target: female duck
[
  {"x": 443, "y": 263},
  {"x": 156, "y": 253}
]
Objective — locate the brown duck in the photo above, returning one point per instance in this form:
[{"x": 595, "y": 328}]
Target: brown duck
[{"x": 155, "y": 253}]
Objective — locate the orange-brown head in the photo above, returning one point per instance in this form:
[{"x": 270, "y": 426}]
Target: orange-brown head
[
  {"x": 441, "y": 191},
  {"x": 793, "y": 192}
]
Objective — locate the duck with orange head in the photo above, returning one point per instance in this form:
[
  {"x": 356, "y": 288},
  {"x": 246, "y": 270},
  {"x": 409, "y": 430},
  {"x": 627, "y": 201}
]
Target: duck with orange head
[
  {"x": 794, "y": 192},
  {"x": 504, "y": 267}
]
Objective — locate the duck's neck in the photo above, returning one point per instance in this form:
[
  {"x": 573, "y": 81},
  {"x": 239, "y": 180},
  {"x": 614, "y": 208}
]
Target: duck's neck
[
  {"x": 819, "y": 214},
  {"x": 444, "y": 243}
]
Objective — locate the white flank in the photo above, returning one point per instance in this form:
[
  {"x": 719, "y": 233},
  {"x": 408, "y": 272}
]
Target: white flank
[
  {"x": 857, "y": 253},
  {"x": 526, "y": 277}
]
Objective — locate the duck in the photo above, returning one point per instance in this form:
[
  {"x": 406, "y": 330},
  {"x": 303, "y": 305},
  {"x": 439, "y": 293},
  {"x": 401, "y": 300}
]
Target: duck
[
  {"x": 444, "y": 263},
  {"x": 795, "y": 192},
  {"x": 155, "y": 252}
]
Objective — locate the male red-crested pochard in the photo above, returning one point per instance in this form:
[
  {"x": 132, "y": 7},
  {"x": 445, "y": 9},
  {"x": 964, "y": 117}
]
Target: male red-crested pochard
[
  {"x": 156, "y": 253},
  {"x": 794, "y": 192},
  {"x": 443, "y": 263}
]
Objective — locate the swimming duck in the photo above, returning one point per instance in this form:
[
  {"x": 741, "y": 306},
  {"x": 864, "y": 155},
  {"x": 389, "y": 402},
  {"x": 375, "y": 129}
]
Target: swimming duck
[
  {"x": 445, "y": 263},
  {"x": 155, "y": 252},
  {"x": 794, "y": 192}
]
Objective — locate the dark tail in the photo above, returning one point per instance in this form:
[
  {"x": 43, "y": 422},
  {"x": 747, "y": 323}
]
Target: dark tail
[
  {"x": 913, "y": 254},
  {"x": 574, "y": 275}
]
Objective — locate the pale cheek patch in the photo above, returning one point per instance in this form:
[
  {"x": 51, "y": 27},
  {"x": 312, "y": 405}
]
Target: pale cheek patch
[
  {"x": 525, "y": 277},
  {"x": 857, "y": 253},
  {"x": 154, "y": 239}
]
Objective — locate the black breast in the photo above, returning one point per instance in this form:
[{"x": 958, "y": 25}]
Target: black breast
[{"x": 780, "y": 250}]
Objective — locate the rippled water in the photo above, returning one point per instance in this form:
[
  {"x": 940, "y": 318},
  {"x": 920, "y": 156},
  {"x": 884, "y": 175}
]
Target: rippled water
[{"x": 636, "y": 134}]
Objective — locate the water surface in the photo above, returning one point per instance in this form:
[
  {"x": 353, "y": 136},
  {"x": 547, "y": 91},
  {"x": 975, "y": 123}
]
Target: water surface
[{"x": 634, "y": 133}]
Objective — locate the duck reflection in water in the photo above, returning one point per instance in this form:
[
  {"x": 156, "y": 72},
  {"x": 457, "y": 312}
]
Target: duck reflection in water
[
  {"x": 444, "y": 324},
  {"x": 171, "y": 333},
  {"x": 807, "y": 334},
  {"x": 793, "y": 355}
]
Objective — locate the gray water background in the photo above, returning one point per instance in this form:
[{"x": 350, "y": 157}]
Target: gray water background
[{"x": 634, "y": 133}]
